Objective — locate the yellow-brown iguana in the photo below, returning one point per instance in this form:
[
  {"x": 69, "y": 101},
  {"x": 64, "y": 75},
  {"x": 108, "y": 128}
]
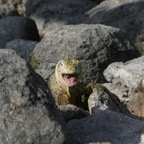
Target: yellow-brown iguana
[{"x": 65, "y": 86}]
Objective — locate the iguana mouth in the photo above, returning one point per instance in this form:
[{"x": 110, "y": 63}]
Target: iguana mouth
[{"x": 70, "y": 79}]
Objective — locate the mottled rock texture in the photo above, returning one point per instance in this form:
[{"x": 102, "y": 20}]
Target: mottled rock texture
[
  {"x": 126, "y": 81},
  {"x": 104, "y": 100},
  {"x": 96, "y": 46},
  {"x": 27, "y": 111},
  {"x": 7, "y": 7},
  {"x": 125, "y": 76},
  {"x": 126, "y": 15}
]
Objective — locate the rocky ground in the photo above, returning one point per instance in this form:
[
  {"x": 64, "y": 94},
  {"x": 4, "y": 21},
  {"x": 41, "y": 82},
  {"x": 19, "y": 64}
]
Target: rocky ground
[{"x": 107, "y": 36}]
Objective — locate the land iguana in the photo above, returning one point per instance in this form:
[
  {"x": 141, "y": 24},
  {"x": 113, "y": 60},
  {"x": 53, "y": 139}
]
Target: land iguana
[{"x": 66, "y": 88}]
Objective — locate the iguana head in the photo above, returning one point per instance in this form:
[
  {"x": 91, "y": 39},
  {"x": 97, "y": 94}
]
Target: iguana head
[{"x": 67, "y": 71}]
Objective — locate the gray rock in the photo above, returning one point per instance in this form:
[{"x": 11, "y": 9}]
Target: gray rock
[
  {"x": 136, "y": 102},
  {"x": 12, "y": 7},
  {"x": 22, "y": 47},
  {"x": 27, "y": 111},
  {"x": 20, "y": 6},
  {"x": 70, "y": 112},
  {"x": 103, "y": 100},
  {"x": 107, "y": 127},
  {"x": 124, "y": 14},
  {"x": 121, "y": 93},
  {"x": 125, "y": 76},
  {"x": 96, "y": 46},
  {"x": 14, "y": 27},
  {"x": 126, "y": 83},
  {"x": 52, "y": 14},
  {"x": 7, "y": 7}
]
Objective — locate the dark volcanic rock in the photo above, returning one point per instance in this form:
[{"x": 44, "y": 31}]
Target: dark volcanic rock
[
  {"x": 52, "y": 14},
  {"x": 22, "y": 47},
  {"x": 70, "y": 112},
  {"x": 126, "y": 15},
  {"x": 27, "y": 111},
  {"x": 96, "y": 46},
  {"x": 14, "y": 27},
  {"x": 107, "y": 127}
]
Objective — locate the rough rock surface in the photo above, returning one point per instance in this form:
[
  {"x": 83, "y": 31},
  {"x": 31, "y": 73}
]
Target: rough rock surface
[
  {"x": 135, "y": 103},
  {"x": 103, "y": 100},
  {"x": 125, "y": 76},
  {"x": 51, "y": 14},
  {"x": 124, "y": 14},
  {"x": 22, "y": 47},
  {"x": 96, "y": 46},
  {"x": 70, "y": 112},
  {"x": 126, "y": 83},
  {"x": 7, "y": 7},
  {"x": 27, "y": 111},
  {"x": 15, "y": 27},
  {"x": 107, "y": 127}
]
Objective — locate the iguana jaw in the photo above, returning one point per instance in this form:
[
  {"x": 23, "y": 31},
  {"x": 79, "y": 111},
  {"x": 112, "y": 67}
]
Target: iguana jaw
[{"x": 70, "y": 79}]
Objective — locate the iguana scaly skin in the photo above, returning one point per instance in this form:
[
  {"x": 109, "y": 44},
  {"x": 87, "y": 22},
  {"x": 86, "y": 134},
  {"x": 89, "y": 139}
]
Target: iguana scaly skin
[{"x": 65, "y": 86}]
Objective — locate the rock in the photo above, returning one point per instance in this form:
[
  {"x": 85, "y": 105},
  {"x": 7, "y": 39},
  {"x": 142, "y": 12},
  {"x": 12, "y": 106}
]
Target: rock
[
  {"x": 97, "y": 1},
  {"x": 70, "y": 112},
  {"x": 136, "y": 101},
  {"x": 12, "y": 7},
  {"x": 126, "y": 15},
  {"x": 104, "y": 100},
  {"x": 20, "y": 6},
  {"x": 52, "y": 14},
  {"x": 22, "y": 47},
  {"x": 125, "y": 76},
  {"x": 27, "y": 111},
  {"x": 7, "y": 8},
  {"x": 125, "y": 83},
  {"x": 107, "y": 127},
  {"x": 96, "y": 46},
  {"x": 14, "y": 27}
]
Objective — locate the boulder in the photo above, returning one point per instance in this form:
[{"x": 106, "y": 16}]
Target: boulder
[
  {"x": 70, "y": 112},
  {"x": 27, "y": 111},
  {"x": 7, "y": 8},
  {"x": 124, "y": 76},
  {"x": 126, "y": 15},
  {"x": 56, "y": 13},
  {"x": 15, "y": 27},
  {"x": 126, "y": 81},
  {"x": 136, "y": 101},
  {"x": 12, "y": 7},
  {"x": 22, "y": 47},
  {"x": 104, "y": 100},
  {"x": 107, "y": 127},
  {"x": 96, "y": 46}
]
